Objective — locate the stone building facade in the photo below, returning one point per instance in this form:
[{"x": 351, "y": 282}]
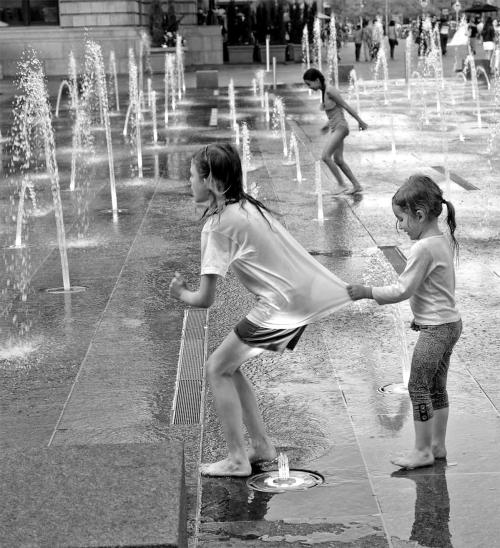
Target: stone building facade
[{"x": 114, "y": 24}]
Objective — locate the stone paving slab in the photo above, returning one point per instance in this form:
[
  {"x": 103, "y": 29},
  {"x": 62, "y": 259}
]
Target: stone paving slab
[{"x": 101, "y": 495}]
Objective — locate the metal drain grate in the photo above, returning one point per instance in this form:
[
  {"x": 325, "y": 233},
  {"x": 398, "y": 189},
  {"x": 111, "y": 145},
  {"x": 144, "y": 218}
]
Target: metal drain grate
[
  {"x": 395, "y": 256},
  {"x": 457, "y": 179},
  {"x": 189, "y": 386}
]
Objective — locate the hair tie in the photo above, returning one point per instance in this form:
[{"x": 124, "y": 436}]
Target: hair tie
[{"x": 443, "y": 201}]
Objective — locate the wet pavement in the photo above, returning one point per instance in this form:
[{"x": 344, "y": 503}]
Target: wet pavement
[{"x": 100, "y": 366}]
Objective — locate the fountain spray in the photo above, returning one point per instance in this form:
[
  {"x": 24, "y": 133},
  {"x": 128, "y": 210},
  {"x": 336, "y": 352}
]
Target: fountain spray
[
  {"x": 380, "y": 272},
  {"x": 260, "y": 80},
  {"x": 317, "y": 44},
  {"x": 266, "y": 106},
  {"x": 153, "y": 111},
  {"x": 381, "y": 61},
  {"x": 94, "y": 69},
  {"x": 232, "y": 104},
  {"x": 114, "y": 77},
  {"x": 319, "y": 191},
  {"x": 135, "y": 106},
  {"x": 32, "y": 117},
  {"x": 71, "y": 84},
  {"x": 354, "y": 88},
  {"x": 306, "y": 60},
  {"x": 278, "y": 122},
  {"x": 245, "y": 154},
  {"x": 332, "y": 53},
  {"x": 470, "y": 65}
]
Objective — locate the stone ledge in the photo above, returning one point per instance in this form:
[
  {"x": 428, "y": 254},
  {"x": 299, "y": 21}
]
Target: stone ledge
[{"x": 98, "y": 495}]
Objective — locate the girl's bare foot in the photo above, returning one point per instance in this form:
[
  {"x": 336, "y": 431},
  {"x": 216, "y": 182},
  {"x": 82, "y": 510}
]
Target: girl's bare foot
[
  {"x": 439, "y": 451},
  {"x": 261, "y": 453},
  {"x": 226, "y": 467},
  {"x": 414, "y": 459}
]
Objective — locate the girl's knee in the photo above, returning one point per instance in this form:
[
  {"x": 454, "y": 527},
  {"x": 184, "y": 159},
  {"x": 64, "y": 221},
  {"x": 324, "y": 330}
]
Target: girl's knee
[
  {"x": 216, "y": 369},
  {"x": 339, "y": 160}
]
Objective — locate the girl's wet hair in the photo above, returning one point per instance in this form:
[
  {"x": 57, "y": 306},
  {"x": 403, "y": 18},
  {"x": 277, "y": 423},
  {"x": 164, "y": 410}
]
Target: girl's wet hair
[
  {"x": 421, "y": 192},
  {"x": 220, "y": 164},
  {"x": 312, "y": 74}
]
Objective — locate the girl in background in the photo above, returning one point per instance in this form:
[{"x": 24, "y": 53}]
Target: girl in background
[{"x": 334, "y": 106}]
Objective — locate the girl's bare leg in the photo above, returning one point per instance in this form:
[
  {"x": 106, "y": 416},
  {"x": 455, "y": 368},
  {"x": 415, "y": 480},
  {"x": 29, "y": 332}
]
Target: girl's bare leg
[
  {"x": 335, "y": 140},
  {"x": 439, "y": 433},
  {"x": 339, "y": 160},
  {"x": 262, "y": 448},
  {"x": 421, "y": 455},
  {"x": 222, "y": 366}
]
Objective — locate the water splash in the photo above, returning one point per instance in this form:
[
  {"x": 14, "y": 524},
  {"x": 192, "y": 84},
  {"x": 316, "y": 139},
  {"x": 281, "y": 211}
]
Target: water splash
[
  {"x": 319, "y": 191},
  {"x": 95, "y": 73},
  {"x": 278, "y": 122},
  {"x": 470, "y": 67},
  {"x": 113, "y": 78},
  {"x": 134, "y": 110},
  {"x": 153, "y": 114},
  {"x": 32, "y": 111},
  {"x": 354, "y": 89},
  {"x": 379, "y": 271},
  {"x": 332, "y": 53},
  {"x": 317, "y": 44},
  {"x": 306, "y": 56}
]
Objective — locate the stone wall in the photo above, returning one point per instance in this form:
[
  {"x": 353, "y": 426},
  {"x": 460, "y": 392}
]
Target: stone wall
[
  {"x": 89, "y": 13},
  {"x": 114, "y": 24}
]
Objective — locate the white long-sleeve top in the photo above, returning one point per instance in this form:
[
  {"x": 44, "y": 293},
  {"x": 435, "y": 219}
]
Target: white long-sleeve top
[{"x": 428, "y": 281}]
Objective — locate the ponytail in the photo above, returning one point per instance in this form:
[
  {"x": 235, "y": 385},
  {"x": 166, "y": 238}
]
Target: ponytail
[{"x": 452, "y": 225}]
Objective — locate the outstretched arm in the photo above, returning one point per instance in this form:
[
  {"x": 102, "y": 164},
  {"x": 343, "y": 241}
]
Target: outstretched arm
[
  {"x": 335, "y": 95},
  {"x": 203, "y": 298}
]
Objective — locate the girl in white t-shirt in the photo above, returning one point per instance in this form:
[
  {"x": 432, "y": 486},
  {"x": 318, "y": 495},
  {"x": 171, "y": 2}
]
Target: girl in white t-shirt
[
  {"x": 429, "y": 282},
  {"x": 292, "y": 289}
]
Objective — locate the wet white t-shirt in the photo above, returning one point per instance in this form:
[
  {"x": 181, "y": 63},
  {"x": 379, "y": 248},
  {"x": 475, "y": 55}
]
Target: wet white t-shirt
[
  {"x": 428, "y": 281},
  {"x": 291, "y": 287}
]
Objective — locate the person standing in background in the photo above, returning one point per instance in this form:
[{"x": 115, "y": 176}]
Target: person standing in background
[
  {"x": 367, "y": 40},
  {"x": 358, "y": 41},
  {"x": 393, "y": 38},
  {"x": 488, "y": 36},
  {"x": 444, "y": 30}
]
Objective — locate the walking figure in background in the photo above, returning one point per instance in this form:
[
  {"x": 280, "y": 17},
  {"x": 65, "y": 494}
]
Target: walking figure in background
[
  {"x": 488, "y": 36},
  {"x": 358, "y": 41},
  {"x": 392, "y": 36},
  {"x": 429, "y": 282},
  {"x": 377, "y": 37},
  {"x": 444, "y": 30},
  {"x": 334, "y": 106},
  {"x": 367, "y": 40},
  {"x": 292, "y": 289}
]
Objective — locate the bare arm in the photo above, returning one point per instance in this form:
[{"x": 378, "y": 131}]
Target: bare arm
[
  {"x": 335, "y": 95},
  {"x": 203, "y": 298}
]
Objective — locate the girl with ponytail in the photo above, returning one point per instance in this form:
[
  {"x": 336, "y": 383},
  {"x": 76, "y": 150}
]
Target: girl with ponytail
[{"x": 429, "y": 282}]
